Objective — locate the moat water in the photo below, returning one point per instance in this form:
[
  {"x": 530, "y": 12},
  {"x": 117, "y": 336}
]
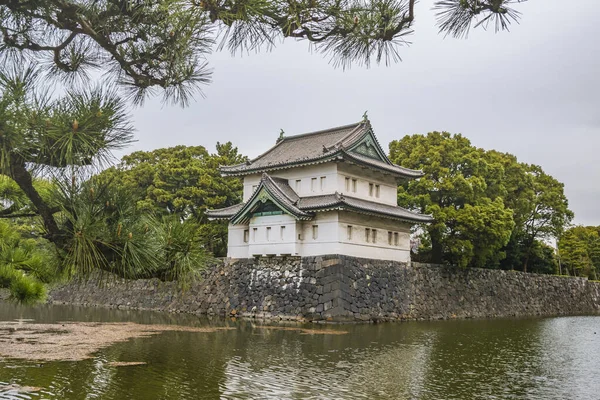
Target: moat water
[{"x": 549, "y": 358}]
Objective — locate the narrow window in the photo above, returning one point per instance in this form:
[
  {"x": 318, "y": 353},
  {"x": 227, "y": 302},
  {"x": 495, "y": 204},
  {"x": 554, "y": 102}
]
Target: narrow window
[
  {"x": 371, "y": 189},
  {"x": 377, "y": 191},
  {"x": 298, "y": 185},
  {"x": 315, "y": 229},
  {"x": 268, "y": 233},
  {"x": 396, "y": 239},
  {"x": 282, "y": 233},
  {"x": 347, "y": 184},
  {"x": 246, "y": 235},
  {"x": 354, "y": 185},
  {"x": 254, "y": 230},
  {"x": 323, "y": 183},
  {"x": 367, "y": 235},
  {"x": 313, "y": 184},
  {"x": 390, "y": 236},
  {"x": 374, "y": 235},
  {"x": 349, "y": 232}
]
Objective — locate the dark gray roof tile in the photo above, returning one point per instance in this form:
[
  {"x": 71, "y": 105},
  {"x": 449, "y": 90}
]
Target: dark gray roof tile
[
  {"x": 317, "y": 147},
  {"x": 298, "y": 148},
  {"x": 316, "y": 203},
  {"x": 224, "y": 213},
  {"x": 364, "y": 160}
]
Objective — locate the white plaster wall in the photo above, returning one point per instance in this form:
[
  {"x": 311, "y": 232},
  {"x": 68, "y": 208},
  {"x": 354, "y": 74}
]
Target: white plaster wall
[
  {"x": 250, "y": 182},
  {"x": 327, "y": 241},
  {"x": 381, "y": 249},
  {"x": 332, "y": 237},
  {"x": 335, "y": 180},
  {"x": 236, "y": 247},
  {"x": 332, "y": 226},
  {"x": 387, "y": 184},
  {"x": 305, "y": 175},
  {"x": 258, "y": 243}
]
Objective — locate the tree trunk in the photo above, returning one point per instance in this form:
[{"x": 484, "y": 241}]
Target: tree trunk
[
  {"x": 23, "y": 178},
  {"x": 529, "y": 246},
  {"x": 437, "y": 251}
]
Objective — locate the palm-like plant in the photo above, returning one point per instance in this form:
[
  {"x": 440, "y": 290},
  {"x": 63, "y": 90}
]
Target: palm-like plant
[{"x": 94, "y": 224}]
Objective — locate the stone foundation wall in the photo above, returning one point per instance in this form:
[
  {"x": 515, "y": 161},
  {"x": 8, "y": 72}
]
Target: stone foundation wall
[{"x": 342, "y": 288}]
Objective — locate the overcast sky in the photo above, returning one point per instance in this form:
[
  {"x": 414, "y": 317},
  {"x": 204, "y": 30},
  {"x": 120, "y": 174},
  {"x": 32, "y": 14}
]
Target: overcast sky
[{"x": 533, "y": 92}]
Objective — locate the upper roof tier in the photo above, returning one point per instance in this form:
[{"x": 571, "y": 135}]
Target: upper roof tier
[{"x": 354, "y": 143}]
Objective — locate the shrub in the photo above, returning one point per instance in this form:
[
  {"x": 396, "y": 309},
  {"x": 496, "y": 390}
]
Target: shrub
[
  {"x": 7, "y": 275},
  {"x": 26, "y": 289}
]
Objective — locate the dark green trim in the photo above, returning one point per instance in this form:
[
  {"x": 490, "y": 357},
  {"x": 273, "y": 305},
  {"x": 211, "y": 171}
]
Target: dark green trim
[
  {"x": 265, "y": 213},
  {"x": 262, "y": 195},
  {"x": 368, "y": 146}
]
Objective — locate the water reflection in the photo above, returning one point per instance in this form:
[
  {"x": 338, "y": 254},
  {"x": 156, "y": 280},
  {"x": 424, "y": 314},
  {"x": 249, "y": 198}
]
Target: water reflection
[{"x": 508, "y": 359}]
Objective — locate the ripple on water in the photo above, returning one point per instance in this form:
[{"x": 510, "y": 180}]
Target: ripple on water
[{"x": 550, "y": 359}]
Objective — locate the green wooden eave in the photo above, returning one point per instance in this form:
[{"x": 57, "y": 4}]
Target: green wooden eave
[{"x": 267, "y": 191}]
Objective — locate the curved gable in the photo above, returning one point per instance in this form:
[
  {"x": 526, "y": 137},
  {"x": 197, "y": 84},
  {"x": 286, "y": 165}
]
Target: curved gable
[
  {"x": 368, "y": 146},
  {"x": 269, "y": 198}
]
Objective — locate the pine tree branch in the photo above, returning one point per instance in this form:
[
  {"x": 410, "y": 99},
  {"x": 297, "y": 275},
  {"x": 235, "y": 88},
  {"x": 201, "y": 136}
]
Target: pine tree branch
[{"x": 163, "y": 43}]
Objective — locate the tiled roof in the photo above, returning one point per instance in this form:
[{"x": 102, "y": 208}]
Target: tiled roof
[
  {"x": 339, "y": 201},
  {"x": 282, "y": 186},
  {"x": 317, "y": 147},
  {"x": 224, "y": 213},
  {"x": 364, "y": 160},
  {"x": 279, "y": 190},
  {"x": 283, "y": 194},
  {"x": 293, "y": 149},
  {"x": 305, "y": 207}
]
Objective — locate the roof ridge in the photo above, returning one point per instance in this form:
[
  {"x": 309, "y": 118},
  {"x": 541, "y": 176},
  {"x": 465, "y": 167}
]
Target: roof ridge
[
  {"x": 249, "y": 162},
  {"x": 336, "y": 128},
  {"x": 290, "y": 138},
  {"x": 352, "y": 132},
  {"x": 275, "y": 183}
]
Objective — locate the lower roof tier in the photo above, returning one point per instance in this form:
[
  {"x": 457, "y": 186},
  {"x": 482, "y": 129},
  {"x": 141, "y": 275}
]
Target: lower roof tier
[{"x": 275, "y": 193}]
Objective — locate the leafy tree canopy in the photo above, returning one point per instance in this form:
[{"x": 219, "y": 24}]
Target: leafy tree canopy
[
  {"x": 183, "y": 181},
  {"x": 147, "y": 44},
  {"x": 471, "y": 224},
  {"x": 486, "y": 204},
  {"x": 579, "y": 248}
]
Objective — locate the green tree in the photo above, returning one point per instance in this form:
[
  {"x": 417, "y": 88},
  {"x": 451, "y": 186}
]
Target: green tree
[
  {"x": 462, "y": 190},
  {"x": 147, "y": 45},
  {"x": 525, "y": 188},
  {"x": 475, "y": 196},
  {"x": 548, "y": 212},
  {"x": 94, "y": 226},
  {"x": 542, "y": 259},
  {"x": 185, "y": 182},
  {"x": 579, "y": 249}
]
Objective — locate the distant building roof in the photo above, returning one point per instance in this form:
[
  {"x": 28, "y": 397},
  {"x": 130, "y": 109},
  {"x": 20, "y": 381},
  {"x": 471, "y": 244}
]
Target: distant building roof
[
  {"x": 354, "y": 143},
  {"x": 279, "y": 191}
]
